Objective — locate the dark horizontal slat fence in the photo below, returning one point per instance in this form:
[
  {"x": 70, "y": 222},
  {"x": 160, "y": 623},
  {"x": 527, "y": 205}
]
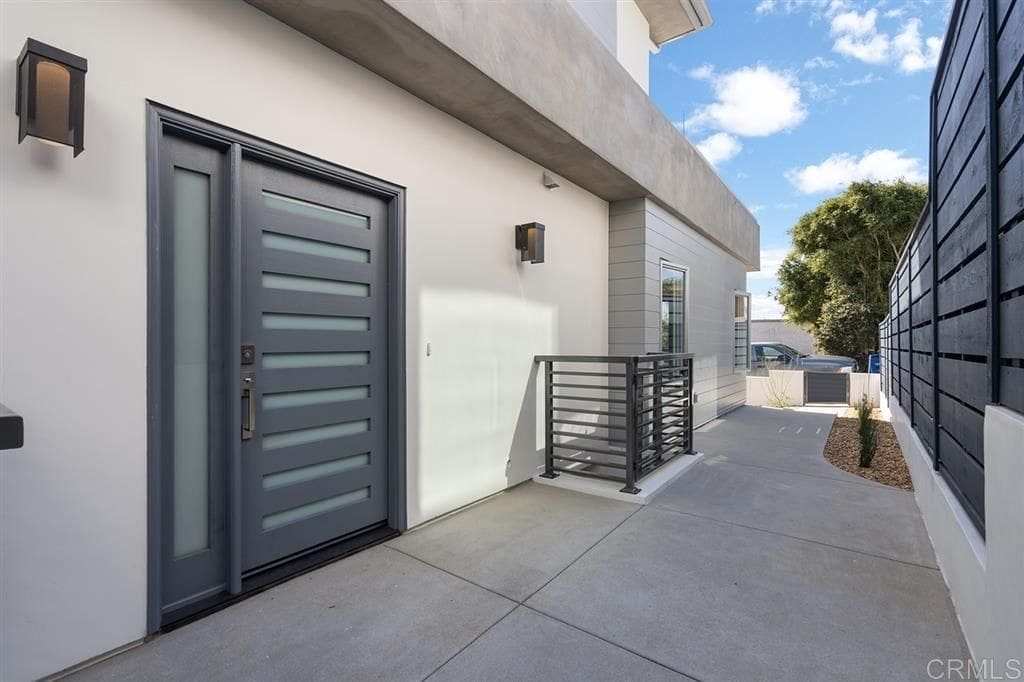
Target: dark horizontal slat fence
[
  {"x": 953, "y": 341},
  {"x": 616, "y": 417}
]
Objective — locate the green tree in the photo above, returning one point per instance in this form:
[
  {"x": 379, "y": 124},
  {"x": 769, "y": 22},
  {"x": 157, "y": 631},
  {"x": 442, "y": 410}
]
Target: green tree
[
  {"x": 847, "y": 325},
  {"x": 836, "y": 277}
]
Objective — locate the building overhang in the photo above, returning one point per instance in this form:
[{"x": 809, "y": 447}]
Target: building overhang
[
  {"x": 671, "y": 19},
  {"x": 532, "y": 76}
]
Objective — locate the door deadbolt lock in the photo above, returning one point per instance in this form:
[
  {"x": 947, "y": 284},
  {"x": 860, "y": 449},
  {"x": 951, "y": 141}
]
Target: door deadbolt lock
[{"x": 248, "y": 354}]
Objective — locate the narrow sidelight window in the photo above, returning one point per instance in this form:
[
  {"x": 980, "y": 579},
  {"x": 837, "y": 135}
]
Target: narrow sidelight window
[
  {"x": 191, "y": 361},
  {"x": 673, "y": 309},
  {"x": 741, "y": 318}
]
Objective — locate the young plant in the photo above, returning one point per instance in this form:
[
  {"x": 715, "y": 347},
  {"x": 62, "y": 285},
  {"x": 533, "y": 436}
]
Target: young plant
[
  {"x": 777, "y": 395},
  {"x": 868, "y": 431}
]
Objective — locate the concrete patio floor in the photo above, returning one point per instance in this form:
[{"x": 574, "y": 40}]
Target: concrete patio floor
[{"x": 761, "y": 562}]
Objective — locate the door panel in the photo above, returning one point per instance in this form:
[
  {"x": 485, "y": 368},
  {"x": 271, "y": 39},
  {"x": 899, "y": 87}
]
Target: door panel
[
  {"x": 195, "y": 429},
  {"x": 268, "y": 363},
  {"x": 314, "y": 292}
]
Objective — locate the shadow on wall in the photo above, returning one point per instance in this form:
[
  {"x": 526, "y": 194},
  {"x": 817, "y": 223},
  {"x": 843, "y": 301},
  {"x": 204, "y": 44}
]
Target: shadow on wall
[
  {"x": 526, "y": 456},
  {"x": 473, "y": 418}
]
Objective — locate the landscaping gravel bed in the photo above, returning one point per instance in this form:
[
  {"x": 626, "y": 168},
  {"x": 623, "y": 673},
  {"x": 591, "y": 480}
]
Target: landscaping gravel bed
[{"x": 843, "y": 450}]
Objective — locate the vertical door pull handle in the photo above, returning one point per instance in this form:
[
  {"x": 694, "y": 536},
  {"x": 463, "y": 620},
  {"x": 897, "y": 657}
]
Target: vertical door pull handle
[{"x": 249, "y": 425}]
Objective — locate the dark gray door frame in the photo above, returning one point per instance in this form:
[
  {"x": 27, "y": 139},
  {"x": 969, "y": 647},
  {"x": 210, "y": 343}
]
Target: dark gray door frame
[{"x": 161, "y": 119}]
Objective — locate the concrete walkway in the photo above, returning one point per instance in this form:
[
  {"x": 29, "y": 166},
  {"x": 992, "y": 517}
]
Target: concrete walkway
[{"x": 762, "y": 562}]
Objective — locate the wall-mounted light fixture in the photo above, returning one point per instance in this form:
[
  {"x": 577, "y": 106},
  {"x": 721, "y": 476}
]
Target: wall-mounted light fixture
[
  {"x": 550, "y": 181},
  {"x": 530, "y": 242},
  {"x": 51, "y": 95}
]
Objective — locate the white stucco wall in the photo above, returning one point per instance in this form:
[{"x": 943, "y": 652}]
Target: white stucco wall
[
  {"x": 779, "y": 386},
  {"x": 633, "y": 42},
  {"x": 789, "y": 385},
  {"x": 73, "y": 292},
  {"x": 601, "y": 17},
  {"x": 985, "y": 575},
  {"x": 864, "y": 385},
  {"x": 623, "y": 29}
]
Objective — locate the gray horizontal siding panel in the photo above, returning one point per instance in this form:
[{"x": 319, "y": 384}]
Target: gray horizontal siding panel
[
  {"x": 642, "y": 236},
  {"x": 634, "y": 235},
  {"x": 619, "y": 254},
  {"x": 632, "y": 285},
  {"x": 625, "y": 221},
  {"x": 631, "y": 318},
  {"x": 631, "y": 302},
  {"x": 627, "y": 206},
  {"x": 627, "y": 335},
  {"x": 627, "y": 269}
]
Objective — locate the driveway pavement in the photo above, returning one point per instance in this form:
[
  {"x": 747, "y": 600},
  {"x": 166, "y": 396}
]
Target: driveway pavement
[{"x": 761, "y": 562}]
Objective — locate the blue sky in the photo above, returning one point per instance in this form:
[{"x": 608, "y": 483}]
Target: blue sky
[{"x": 791, "y": 100}]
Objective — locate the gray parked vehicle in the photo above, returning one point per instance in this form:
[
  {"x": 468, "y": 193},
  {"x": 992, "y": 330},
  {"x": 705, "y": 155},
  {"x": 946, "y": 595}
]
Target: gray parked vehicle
[{"x": 780, "y": 356}]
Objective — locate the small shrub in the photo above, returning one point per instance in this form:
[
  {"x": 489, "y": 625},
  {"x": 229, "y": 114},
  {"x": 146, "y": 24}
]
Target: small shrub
[
  {"x": 868, "y": 431},
  {"x": 777, "y": 395}
]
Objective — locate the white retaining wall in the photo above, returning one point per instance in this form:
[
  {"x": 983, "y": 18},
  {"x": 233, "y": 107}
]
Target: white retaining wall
[
  {"x": 985, "y": 575},
  {"x": 789, "y": 384}
]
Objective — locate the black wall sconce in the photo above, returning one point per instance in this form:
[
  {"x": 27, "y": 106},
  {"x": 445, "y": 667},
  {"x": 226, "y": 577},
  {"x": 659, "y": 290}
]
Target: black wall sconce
[
  {"x": 51, "y": 95},
  {"x": 530, "y": 242}
]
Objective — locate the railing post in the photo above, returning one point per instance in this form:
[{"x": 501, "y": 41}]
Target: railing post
[
  {"x": 631, "y": 427},
  {"x": 688, "y": 367},
  {"x": 549, "y": 437},
  {"x": 658, "y": 433}
]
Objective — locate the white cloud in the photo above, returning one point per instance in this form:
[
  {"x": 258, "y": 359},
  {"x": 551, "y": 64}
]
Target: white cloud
[
  {"x": 913, "y": 53},
  {"x": 771, "y": 259},
  {"x": 894, "y": 13},
  {"x": 818, "y": 91},
  {"x": 764, "y": 307},
  {"x": 854, "y": 24},
  {"x": 816, "y": 7},
  {"x": 857, "y": 36},
  {"x": 871, "y": 50},
  {"x": 751, "y": 102},
  {"x": 702, "y": 73},
  {"x": 820, "y": 62},
  {"x": 839, "y": 170},
  {"x": 719, "y": 148},
  {"x": 756, "y": 208},
  {"x": 863, "y": 80}
]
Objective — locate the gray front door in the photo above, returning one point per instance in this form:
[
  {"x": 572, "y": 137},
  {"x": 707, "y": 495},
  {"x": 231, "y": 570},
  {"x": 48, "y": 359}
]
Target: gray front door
[
  {"x": 275, "y": 366},
  {"x": 314, "y": 389}
]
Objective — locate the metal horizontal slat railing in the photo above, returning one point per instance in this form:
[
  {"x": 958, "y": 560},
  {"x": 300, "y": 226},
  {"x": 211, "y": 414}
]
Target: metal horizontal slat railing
[{"x": 616, "y": 417}]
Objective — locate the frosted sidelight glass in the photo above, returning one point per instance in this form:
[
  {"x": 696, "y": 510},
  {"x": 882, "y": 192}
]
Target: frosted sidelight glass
[{"x": 191, "y": 356}]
